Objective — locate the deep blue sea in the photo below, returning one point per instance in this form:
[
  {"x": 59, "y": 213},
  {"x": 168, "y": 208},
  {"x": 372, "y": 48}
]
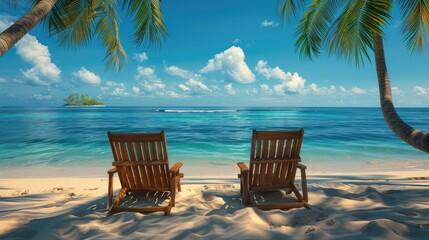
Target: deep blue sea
[{"x": 196, "y": 135}]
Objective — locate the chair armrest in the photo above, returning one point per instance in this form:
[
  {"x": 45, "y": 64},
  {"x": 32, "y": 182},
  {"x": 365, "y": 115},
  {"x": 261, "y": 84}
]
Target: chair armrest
[
  {"x": 301, "y": 166},
  {"x": 176, "y": 167},
  {"x": 112, "y": 171},
  {"x": 243, "y": 167}
]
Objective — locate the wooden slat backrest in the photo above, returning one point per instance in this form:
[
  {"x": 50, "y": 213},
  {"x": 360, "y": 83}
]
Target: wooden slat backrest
[
  {"x": 141, "y": 160},
  {"x": 274, "y": 156}
]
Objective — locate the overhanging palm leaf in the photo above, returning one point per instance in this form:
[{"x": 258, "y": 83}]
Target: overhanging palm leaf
[
  {"x": 108, "y": 33},
  {"x": 351, "y": 35},
  {"x": 148, "y": 19},
  {"x": 288, "y": 8},
  {"x": 415, "y": 24},
  {"x": 75, "y": 23},
  {"x": 313, "y": 25}
]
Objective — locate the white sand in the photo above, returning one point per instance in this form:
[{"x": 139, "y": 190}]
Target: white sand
[{"x": 376, "y": 205}]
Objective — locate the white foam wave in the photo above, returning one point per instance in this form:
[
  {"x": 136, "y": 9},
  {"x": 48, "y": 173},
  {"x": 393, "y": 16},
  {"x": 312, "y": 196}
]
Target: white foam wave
[{"x": 197, "y": 110}]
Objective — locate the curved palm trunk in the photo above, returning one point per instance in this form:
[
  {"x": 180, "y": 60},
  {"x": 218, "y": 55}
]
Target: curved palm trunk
[
  {"x": 416, "y": 138},
  {"x": 14, "y": 33}
]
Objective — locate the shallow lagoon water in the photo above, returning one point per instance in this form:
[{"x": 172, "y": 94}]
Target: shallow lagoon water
[{"x": 202, "y": 136}]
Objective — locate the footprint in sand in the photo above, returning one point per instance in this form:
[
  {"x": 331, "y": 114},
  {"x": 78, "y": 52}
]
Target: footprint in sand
[
  {"x": 21, "y": 193},
  {"x": 331, "y": 221},
  {"x": 311, "y": 229},
  {"x": 57, "y": 189},
  {"x": 73, "y": 195}
]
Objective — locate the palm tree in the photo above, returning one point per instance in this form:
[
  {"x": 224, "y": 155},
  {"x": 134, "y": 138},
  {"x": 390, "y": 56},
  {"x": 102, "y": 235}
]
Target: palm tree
[
  {"x": 352, "y": 29},
  {"x": 76, "y": 22}
]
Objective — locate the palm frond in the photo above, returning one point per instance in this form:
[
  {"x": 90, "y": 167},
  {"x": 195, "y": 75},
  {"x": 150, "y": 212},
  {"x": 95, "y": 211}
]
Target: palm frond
[
  {"x": 351, "y": 34},
  {"x": 54, "y": 20},
  {"x": 108, "y": 32},
  {"x": 73, "y": 22},
  {"x": 149, "y": 22},
  {"x": 287, "y": 8},
  {"x": 313, "y": 26},
  {"x": 415, "y": 24},
  {"x": 79, "y": 19}
]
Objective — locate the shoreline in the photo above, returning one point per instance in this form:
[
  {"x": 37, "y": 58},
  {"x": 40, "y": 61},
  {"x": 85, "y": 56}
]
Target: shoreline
[{"x": 217, "y": 170}]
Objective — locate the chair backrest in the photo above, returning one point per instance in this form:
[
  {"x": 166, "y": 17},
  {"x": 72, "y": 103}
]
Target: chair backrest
[
  {"x": 141, "y": 160},
  {"x": 274, "y": 157}
]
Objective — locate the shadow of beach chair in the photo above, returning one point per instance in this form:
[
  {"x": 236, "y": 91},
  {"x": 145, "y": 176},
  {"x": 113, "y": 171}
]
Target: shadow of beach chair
[
  {"x": 141, "y": 162},
  {"x": 274, "y": 160}
]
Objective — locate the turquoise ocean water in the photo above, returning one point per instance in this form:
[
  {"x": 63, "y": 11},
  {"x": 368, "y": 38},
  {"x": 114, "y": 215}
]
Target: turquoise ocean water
[{"x": 61, "y": 137}]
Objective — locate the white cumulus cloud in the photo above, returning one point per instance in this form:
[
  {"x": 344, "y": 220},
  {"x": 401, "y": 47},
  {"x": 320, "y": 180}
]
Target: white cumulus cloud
[
  {"x": 231, "y": 62},
  {"x": 86, "y": 76},
  {"x": 115, "y": 89},
  {"x": 183, "y": 73},
  {"x": 292, "y": 84},
  {"x": 153, "y": 87},
  {"x": 184, "y": 88},
  {"x": 358, "y": 91},
  {"x": 149, "y": 82},
  {"x": 323, "y": 90},
  {"x": 229, "y": 89},
  {"x": 147, "y": 74},
  {"x": 43, "y": 71},
  {"x": 421, "y": 91},
  {"x": 194, "y": 83},
  {"x": 266, "y": 23},
  {"x": 135, "y": 90},
  {"x": 397, "y": 91},
  {"x": 268, "y": 72},
  {"x": 141, "y": 57}
]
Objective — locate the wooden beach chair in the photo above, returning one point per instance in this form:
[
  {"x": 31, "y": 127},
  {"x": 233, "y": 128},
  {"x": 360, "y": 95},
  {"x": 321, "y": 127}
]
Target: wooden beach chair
[
  {"x": 141, "y": 162},
  {"x": 274, "y": 160}
]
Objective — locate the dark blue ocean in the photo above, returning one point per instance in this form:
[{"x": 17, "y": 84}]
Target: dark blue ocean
[{"x": 39, "y": 137}]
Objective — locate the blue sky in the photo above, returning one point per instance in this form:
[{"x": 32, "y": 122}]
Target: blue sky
[{"x": 217, "y": 53}]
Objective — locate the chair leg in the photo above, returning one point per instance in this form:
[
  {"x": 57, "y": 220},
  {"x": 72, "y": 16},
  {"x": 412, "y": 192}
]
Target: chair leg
[
  {"x": 110, "y": 191},
  {"x": 171, "y": 204},
  {"x": 179, "y": 186},
  {"x": 117, "y": 201},
  {"x": 173, "y": 191},
  {"x": 167, "y": 210},
  {"x": 244, "y": 187},
  {"x": 304, "y": 185}
]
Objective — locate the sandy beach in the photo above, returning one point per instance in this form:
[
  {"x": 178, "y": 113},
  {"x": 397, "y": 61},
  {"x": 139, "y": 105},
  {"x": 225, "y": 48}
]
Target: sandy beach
[{"x": 373, "y": 205}]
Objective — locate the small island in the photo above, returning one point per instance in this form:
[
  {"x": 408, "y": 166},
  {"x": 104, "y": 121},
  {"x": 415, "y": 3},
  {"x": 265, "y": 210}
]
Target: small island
[{"x": 76, "y": 100}]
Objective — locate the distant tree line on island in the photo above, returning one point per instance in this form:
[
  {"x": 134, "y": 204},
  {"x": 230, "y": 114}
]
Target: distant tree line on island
[{"x": 81, "y": 100}]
